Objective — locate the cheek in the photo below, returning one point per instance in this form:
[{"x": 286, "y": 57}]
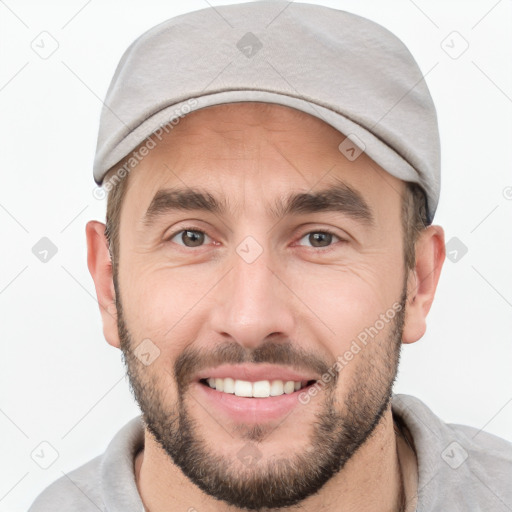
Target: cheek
[
  {"x": 162, "y": 304},
  {"x": 339, "y": 303}
]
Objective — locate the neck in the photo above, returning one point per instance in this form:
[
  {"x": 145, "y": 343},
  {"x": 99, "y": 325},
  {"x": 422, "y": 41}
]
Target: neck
[{"x": 369, "y": 482}]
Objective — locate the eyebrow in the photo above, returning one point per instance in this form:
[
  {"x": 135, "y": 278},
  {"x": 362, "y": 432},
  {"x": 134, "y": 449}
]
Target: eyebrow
[{"x": 339, "y": 198}]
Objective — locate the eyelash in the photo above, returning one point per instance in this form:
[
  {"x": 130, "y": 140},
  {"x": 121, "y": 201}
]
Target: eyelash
[{"x": 323, "y": 249}]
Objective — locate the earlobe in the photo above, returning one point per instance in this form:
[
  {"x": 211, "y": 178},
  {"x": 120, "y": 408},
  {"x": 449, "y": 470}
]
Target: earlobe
[
  {"x": 100, "y": 268},
  {"x": 422, "y": 282}
]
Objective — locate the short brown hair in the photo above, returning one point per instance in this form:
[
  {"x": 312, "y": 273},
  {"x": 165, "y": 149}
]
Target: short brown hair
[{"x": 414, "y": 219}]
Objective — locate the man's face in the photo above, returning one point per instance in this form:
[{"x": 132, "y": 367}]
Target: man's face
[{"x": 255, "y": 293}]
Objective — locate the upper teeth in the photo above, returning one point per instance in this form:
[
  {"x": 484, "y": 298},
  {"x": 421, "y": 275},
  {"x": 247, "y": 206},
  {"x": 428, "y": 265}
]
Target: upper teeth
[{"x": 260, "y": 389}]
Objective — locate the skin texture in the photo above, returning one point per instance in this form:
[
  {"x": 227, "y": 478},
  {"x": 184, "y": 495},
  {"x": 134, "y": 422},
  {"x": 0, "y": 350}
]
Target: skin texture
[{"x": 296, "y": 304}]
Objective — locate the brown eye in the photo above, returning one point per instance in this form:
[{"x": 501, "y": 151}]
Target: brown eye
[
  {"x": 189, "y": 238},
  {"x": 320, "y": 238}
]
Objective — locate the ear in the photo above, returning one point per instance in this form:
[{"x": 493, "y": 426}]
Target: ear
[
  {"x": 100, "y": 267},
  {"x": 422, "y": 282}
]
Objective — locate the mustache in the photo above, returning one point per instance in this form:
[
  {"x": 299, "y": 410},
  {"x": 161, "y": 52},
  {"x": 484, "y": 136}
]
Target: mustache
[{"x": 192, "y": 360}]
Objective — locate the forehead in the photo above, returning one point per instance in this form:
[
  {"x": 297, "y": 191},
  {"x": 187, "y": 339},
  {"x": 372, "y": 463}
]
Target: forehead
[{"x": 256, "y": 149}]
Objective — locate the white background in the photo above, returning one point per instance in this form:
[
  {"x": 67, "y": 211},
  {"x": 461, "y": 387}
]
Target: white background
[{"x": 60, "y": 381}]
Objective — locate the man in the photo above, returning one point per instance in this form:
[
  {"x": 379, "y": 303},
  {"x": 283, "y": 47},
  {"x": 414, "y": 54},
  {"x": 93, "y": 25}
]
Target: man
[{"x": 273, "y": 173}]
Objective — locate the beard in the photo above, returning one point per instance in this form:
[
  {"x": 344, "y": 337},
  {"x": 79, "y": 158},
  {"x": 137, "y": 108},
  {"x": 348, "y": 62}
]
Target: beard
[{"x": 337, "y": 432}]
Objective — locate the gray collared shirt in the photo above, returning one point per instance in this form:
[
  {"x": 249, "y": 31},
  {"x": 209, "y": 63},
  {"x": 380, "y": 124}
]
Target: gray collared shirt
[{"x": 460, "y": 468}]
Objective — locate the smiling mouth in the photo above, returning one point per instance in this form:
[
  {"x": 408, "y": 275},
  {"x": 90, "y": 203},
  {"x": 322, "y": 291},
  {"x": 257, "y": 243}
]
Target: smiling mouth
[{"x": 258, "y": 389}]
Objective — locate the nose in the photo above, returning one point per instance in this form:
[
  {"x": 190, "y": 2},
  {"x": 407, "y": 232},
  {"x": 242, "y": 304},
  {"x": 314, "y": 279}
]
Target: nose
[{"x": 253, "y": 302}]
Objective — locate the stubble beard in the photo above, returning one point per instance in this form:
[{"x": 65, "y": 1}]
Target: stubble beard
[{"x": 336, "y": 433}]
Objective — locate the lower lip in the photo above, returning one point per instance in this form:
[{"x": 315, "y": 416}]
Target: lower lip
[{"x": 249, "y": 410}]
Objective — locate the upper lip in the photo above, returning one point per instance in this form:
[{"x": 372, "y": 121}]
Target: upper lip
[{"x": 254, "y": 373}]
